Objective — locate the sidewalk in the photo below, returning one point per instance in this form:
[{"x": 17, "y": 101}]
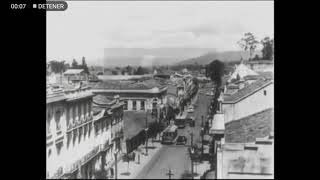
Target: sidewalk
[
  {"x": 201, "y": 168},
  {"x": 134, "y": 167}
]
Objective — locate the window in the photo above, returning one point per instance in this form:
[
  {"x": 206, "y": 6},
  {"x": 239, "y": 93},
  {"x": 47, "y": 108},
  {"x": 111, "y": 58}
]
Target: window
[
  {"x": 125, "y": 106},
  {"x": 265, "y": 92},
  {"x": 79, "y": 111},
  {"x": 142, "y": 105},
  {"x": 85, "y": 131},
  {"x": 85, "y": 108},
  {"x": 96, "y": 126},
  {"x": 90, "y": 127},
  {"x": 59, "y": 147},
  {"x": 75, "y": 133},
  {"x": 69, "y": 136},
  {"x": 90, "y": 107},
  {"x": 74, "y": 113},
  {"x": 134, "y": 105},
  {"x": 80, "y": 134},
  {"x": 48, "y": 127},
  {"x": 57, "y": 117},
  {"x": 49, "y": 153},
  {"x": 154, "y": 104},
  {"x": 103, "y": 125},
  {"x": 70, "y": 114}
]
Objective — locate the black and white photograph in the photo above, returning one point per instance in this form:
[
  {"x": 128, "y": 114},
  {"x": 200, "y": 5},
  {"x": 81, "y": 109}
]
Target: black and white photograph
[{"x": 160, "y": 90}]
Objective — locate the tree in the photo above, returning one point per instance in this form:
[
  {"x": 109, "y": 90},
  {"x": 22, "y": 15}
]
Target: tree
[
  {"x": 248, "y": 43},
  {"x": 57, "y": 66},
  {"x": 129, "y": 69},
  {"x": 267, "y": 50},
  {"x": 215, "y": 71},
  {"x": 74, "y": 64},
  {"x": 256, "y": 57},
  {"x": 140, "y": 71},
  {"x": 84, "y": 66}
]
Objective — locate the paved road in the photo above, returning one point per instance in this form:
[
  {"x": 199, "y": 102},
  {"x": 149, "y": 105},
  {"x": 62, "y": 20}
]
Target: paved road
[{"x": 173, "y": 156}]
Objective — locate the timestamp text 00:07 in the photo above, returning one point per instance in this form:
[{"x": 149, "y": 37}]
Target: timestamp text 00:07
[{"x": 18, "y": 6}]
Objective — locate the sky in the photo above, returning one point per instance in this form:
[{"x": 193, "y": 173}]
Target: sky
[{"x": 86, "y": 28}]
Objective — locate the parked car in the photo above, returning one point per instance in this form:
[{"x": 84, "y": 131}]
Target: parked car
[
  {"x": 182, "y": 140},
  {"x": 190, "y": 110},
  {"x": 192, "y": 122}
]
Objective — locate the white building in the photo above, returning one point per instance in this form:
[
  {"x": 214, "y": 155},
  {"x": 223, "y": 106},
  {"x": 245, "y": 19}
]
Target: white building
[
  {"x": 241, "y": 71},
  {"x": 76, "y": 139},
  {"x": 141, "y": 96},
  {"x": 75, "y": 75},
  {"x": 261, "y": 65},
  {"x": 251, "y": 99}
]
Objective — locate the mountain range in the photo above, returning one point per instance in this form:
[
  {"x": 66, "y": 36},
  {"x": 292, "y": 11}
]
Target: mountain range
[
  {"x": 167, "y": 56},
  {"x": 226, "y": 56}
]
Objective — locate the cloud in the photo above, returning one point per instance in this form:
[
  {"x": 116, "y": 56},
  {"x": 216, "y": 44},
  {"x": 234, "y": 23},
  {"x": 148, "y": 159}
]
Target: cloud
[
  {"x": 86, "y": 28},
  {"x": 203, "y": 29}
]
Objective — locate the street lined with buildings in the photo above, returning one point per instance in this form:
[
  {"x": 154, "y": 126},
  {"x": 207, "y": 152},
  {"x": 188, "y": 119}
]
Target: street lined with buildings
[{"x": 95, "y": 128}]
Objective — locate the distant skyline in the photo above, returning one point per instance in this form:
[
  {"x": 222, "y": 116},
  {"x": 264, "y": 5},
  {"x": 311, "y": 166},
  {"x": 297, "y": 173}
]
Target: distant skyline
[{"x": 86, "y": 28}]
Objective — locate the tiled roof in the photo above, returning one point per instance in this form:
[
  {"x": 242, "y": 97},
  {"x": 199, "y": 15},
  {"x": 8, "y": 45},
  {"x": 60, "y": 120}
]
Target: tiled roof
[
  {"x": 102, "y": 99},
  {"x": 55, "y": 98},
  {"x": 128, "y": 85},
  {"x": 249, "y": 128},
  {"x": 246, "y": 91},
  {"x": 268, "y": 75},
  {"x": 260, "y": 62},
  {"x": 252, "y": 77}
]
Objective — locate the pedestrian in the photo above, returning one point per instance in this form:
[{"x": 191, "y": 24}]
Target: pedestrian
[{"x": 138, "y": 158}]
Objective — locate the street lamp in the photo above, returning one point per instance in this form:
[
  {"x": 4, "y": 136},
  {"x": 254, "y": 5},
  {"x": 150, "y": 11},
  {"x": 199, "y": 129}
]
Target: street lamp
[
  {"x": 191, "y": 151},
  {"x": 146, "y": 130},
  {"x": 202, "y": 135},
  {"x": 116, "y": 165}
]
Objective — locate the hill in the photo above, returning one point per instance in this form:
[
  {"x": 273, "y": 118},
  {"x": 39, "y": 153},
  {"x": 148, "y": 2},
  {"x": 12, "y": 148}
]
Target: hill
[
  {"x": 150, "y": 56},
  {"x": 226, "y": 56}
]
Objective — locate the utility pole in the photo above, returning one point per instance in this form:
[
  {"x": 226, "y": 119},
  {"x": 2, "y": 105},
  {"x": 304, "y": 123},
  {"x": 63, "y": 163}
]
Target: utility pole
[
  {"x": 202, "y": 134},
  {"x": 191, "y": 151},
  {"x": 116, "y": 165},
  {"x": 146, "y": 133},
  {"x": 202, "y": 121},
  {"x": 169, "y": 173},
  {"x": 191, "y": 134}
]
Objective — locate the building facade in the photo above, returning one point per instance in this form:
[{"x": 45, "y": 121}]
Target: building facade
[
  {"x": 251, "y": 99},
  {"x": 137, "y": 97},
  {"x": 79, "y": 143}
]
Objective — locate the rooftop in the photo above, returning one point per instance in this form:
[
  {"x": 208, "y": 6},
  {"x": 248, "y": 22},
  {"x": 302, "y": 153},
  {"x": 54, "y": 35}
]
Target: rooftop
[
  {"x": 242, "y": 71},
  {"x": 247, "y": 161},
  {"x": 73, "y": 71},
  {"x": 249, "y": 128},
  {"x": 267, "y": 75},
  {"x": 260, "y": 62},
  {"x": 217, "y": 124},
  {"x": 247, "y": 91},
  {"x": 58, "y": 92},
  {"x": 128, "y": 85},
  {"x": 103, "y": 100}
]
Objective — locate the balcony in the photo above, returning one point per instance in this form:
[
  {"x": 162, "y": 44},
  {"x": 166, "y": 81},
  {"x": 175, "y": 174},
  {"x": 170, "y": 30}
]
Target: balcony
[
  {"x": 58, "y": 173},
  {"x": 90, "y": 155},
  {"x": 105, "y": 146}
]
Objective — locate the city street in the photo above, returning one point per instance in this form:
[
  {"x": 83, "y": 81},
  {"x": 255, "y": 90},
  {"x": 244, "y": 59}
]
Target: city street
[{"x": 174, "y": 156}]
